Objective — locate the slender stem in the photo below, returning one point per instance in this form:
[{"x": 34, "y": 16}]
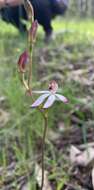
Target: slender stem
[
  {"x": 43, "y": 148},
  {"x": 30, "y": 69},
  {"x": 24, "y": 82}
]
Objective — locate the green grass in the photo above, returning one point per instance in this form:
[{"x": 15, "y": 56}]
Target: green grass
[
  {"x": 72, "y": 47},
  {"x": 81, "y": 26}
]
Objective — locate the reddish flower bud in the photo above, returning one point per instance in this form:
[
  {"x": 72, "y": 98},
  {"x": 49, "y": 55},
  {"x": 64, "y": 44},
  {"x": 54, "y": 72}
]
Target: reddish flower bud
[
  {"x": 23, "y": 60},
  {"x": 33, "y": 31}
]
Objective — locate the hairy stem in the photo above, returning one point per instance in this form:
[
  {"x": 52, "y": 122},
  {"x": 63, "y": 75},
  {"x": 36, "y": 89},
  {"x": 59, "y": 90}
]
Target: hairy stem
[{"x": 43, "y": 148}]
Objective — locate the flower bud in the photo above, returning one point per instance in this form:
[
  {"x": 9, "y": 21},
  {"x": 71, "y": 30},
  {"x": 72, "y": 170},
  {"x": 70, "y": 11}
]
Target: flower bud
[
  {"x": 33, "y": 31},
  {"x": 29, "y": 10},
  {"x": 23, "y": 60}
]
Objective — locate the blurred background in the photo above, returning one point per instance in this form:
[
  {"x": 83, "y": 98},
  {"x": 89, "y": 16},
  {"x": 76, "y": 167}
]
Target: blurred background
[
  {"x": 68, "y": 58},
  {"x": 82, "y": 8}
]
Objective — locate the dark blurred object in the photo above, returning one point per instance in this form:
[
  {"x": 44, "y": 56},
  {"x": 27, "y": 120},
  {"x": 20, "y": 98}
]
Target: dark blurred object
[{"x": 45, "y": 11}]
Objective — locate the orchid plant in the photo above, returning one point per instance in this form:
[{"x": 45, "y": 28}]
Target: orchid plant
[{"x": 47, "y": 97}]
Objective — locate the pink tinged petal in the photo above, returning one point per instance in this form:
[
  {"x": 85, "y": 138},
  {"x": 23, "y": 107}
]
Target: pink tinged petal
[
  {"x": 61, "y": 98},
  {"x": 41, "y": 92},
  {"x": 39, "y": 101},
  {"x": 51, "y": 99}
]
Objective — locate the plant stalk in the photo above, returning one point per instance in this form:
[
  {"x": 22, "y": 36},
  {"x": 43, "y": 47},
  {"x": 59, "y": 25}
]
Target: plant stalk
[
  {"x": 30, "y": 68},
  {"x": 43, "y": 148}
]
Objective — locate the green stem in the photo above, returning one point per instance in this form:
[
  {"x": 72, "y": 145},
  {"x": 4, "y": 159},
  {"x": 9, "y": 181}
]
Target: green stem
[
  {"x": 43, "y": 148},
  {"x": 30, "y": 69}
]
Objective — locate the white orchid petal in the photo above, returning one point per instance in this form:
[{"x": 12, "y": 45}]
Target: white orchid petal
[
  {"x": 61, "y": 98},
  {"x": 39, "y": 101},
  {"x": 41, "y": 92},
  {"x": 51, "y": 99}
]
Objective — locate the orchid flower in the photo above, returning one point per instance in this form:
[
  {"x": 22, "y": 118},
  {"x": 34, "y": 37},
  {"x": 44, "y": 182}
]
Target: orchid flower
[{"x": 49, "y": 97}]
